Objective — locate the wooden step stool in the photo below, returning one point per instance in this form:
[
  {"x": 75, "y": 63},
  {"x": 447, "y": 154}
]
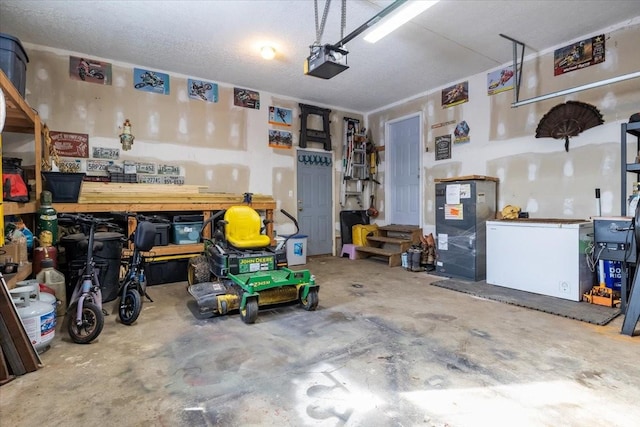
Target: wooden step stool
[{"x": 391, "y": 243}]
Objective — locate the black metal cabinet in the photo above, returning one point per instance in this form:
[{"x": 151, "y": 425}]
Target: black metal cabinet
[{"x": 462, "y": 209}]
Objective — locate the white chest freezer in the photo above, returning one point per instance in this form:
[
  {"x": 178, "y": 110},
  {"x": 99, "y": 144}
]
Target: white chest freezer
[{"x": 541, "y": 256}]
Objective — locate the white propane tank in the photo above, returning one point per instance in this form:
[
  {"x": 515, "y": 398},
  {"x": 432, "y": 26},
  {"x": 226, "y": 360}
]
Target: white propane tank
[
  {"x": 37, "y": 295},
  {"x": 38, "y": 318}
]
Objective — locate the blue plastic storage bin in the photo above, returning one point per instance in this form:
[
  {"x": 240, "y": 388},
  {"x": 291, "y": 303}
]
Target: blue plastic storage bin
[{"x": 13, "y": 61}]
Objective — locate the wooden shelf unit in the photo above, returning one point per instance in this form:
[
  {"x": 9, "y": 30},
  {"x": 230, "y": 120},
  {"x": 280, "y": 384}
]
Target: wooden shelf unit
[{"x": 21, "y": 118}]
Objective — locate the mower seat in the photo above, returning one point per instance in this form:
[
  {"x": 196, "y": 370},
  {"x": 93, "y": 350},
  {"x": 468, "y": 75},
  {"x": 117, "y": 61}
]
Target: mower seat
[{"x": 242, "y": 229}]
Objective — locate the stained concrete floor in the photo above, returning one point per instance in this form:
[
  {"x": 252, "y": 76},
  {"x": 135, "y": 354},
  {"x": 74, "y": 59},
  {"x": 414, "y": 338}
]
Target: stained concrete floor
[{"x": 384, "y": 348}]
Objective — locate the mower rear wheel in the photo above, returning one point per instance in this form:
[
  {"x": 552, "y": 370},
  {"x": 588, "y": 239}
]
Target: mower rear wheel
[
  {"x": 250, "y": 312},
  {"x": 311, "y": 302},
  {"x": 198, "y": 270}
]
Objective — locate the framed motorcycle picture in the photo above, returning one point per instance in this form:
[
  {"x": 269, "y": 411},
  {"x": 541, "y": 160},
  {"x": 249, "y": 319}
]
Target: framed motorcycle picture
[
  {"x": 89, "y": 70},
  {"x": 203, "y": 91},
  {"x": 280, "y": 116},
  {"x": 246, "y": 98},
  {"x": 151, "y": 81}
]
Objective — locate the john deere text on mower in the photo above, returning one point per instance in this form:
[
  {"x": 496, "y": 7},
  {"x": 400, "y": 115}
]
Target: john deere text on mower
[{"x": 240, "y": 271}]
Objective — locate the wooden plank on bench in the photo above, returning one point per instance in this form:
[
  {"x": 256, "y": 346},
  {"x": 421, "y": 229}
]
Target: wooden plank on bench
[
  {"x": 385, "y": 239},
  {"x": 400, "y": 228},
  {"x": 394, "y": 258}
]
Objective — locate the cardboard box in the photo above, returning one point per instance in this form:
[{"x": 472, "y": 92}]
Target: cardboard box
[{"x": 11, "y": 252}]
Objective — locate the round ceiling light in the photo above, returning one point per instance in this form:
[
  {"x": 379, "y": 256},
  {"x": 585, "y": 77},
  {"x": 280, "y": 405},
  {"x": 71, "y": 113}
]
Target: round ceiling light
[{"x": 268, "y": 52}]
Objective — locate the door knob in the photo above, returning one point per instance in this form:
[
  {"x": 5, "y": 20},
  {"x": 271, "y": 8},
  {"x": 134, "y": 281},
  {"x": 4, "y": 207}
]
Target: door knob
[{"x": 300, "y": 205}]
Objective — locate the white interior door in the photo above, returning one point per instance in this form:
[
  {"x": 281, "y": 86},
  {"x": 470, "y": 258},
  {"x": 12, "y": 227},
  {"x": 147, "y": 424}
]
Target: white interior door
[{"x": 403, "y": 198}]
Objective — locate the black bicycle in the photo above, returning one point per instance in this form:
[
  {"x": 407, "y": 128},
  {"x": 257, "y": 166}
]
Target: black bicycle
[
  {"x": 86, "y": 318},
  {"x": 134, "y": 284}
]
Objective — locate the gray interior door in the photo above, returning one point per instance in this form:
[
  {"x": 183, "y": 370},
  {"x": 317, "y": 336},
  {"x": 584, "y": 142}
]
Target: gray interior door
[
  {"x": 404, "y": 154},
  {"x": 315, "y": 200}
]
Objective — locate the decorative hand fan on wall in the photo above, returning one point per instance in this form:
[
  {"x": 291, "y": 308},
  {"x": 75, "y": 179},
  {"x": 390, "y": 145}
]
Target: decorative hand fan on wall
[{"x": 567, "y": 120}]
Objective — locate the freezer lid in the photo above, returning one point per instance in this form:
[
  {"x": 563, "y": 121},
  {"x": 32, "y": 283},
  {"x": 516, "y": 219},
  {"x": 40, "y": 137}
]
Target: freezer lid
[{"x": 539, "y": 223}]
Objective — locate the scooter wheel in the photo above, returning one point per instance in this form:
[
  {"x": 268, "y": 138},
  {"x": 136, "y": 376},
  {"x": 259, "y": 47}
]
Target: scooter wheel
[
  {"x": 92, "y": 323},
  {"x": 130, "y": 306}
]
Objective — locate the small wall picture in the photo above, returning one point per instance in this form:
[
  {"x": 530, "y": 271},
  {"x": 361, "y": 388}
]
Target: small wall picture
[
  {"x": 280, "y": 138},
  {"x": 500, "y": 80},
  {"x": 89, "y": 70},
  {"x": 246, "y": 98},
  {"x": 461, "y": 133},
  {"x": 280, "y": 116},
  {"x": 443, "y": 147},
  {"x": 204, "y": 91},
  {"x": 151, "y": 81},
  {"x": 456, "y": 94}
]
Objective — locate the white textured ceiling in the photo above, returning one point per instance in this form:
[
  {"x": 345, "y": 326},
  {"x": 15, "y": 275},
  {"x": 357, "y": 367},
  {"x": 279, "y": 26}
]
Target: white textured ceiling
[{"x": 220, "y": 40}]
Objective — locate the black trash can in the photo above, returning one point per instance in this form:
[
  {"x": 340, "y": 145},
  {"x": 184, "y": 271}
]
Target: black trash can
[{"x": 107, "y": 259}]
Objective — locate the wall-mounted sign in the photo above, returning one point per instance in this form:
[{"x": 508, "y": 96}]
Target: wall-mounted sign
[
  {"x": 280, "y": 116},
  {"x": 142, "y": 167},
  {"x": 160, "y": 179},
  {"x": 461, "y": 133},
  {"x": 168, "y": 170},
  {"x": 204, "y": 91},
  {"x": 280, "y": 138},
  {"x": 246, "y": 98},
  {"x": 105, "y": 153},
  {"x": 439, "y": 125},
  {"x": 70, "y": 165},
  {"x": 443, "y": 147},
  {"x": 69, "y": 144},
  {"x": 98, "y": 167},
  {"x": 89, "y": 70},
  {"x": 456, "y": 94},
  {"x": 500, "y": 80},
  {"x": 578, "y": 55},
  {"x": 151, "y": 81}
]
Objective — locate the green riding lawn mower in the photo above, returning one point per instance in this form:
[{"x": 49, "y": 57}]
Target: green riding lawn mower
[{"x": 239, "y": 269}]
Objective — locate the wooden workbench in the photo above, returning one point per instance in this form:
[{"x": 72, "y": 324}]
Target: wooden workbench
[{"x": 101, "y": 197}]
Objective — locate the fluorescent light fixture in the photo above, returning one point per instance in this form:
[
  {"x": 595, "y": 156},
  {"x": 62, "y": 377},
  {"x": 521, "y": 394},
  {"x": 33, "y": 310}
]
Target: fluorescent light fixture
[{"x": 397, "y": 18}]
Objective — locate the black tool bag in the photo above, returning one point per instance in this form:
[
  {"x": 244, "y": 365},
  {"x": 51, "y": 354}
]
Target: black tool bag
[{"x": 14, "y": 183}]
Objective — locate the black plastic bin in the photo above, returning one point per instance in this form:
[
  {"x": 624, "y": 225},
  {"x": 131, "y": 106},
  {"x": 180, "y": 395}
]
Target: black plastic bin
[
  {"x": 108, "y": 259},
  {"x": 64, "y": 187},
  {"x": 348, "y": 219},
  {"x": 167, "y": 269}
]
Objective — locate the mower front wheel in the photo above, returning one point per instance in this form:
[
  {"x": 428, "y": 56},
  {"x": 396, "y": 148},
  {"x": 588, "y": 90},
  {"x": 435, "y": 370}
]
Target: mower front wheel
[
  {"x": 249, "y": 313},
  {"x": 198, "y": 270},
  {"x": 311, "y": 302}
]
